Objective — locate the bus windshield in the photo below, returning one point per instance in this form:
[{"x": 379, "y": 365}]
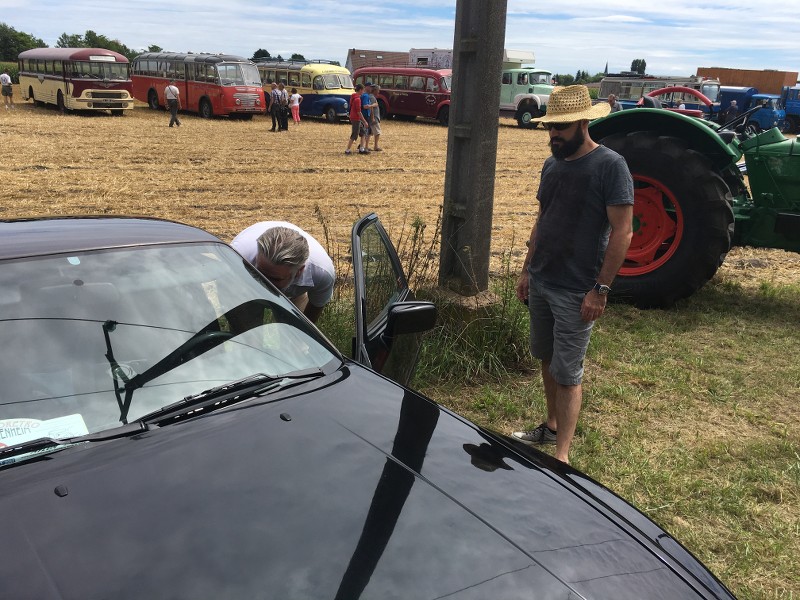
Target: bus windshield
[
  {"x": 100, "y": 70},
  {"x": 332, "y": 81},
  {"x": 710, "y": 91},
  {"x": 445, "y": 83},
  {"x": 238, "y": 74}
]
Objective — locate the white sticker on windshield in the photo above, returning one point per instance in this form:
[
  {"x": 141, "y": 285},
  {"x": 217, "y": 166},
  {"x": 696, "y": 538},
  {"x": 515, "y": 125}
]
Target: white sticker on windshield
[{"x": 18, "y": 431}]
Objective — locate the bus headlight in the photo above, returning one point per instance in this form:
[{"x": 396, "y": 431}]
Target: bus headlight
[
  {"x": 238, "y": 102},
  {"x": 88, "y": 94}
]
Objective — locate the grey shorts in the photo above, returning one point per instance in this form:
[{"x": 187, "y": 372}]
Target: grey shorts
[
  {"x": 8, "y": 90},
  {"x": 376, "y": 127},
  {"x": 356, "y": 130},
  {"x": 558, "y": 334}
]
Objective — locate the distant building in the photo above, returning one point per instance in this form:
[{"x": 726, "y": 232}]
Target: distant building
[
  {"x": 767, "y": 81},
  {"x": 375, "y": 58},
  {"x": 433, "y": 58}
]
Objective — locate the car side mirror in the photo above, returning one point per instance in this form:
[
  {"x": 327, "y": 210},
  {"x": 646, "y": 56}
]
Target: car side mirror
[{"x": 409, "y": 317}]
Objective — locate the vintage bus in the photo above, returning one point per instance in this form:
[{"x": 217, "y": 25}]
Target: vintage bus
[
  {"x": 76, "y": 78},
  {"x": 209, "y": 84},
  {"x": 630, "y": 87},
  {"x": 324, "y": 86},
  {"x": 410, "y": 92}
]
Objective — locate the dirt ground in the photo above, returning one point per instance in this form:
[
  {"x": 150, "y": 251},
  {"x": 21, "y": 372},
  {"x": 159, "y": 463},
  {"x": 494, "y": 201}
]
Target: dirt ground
[{"x": 224, "y": 175}]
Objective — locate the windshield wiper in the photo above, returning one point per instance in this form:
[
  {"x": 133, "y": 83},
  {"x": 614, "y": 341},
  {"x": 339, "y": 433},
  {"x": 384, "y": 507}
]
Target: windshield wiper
[
  {"x": 44, "y": 444},
  {"x": 231, "y": 393}
]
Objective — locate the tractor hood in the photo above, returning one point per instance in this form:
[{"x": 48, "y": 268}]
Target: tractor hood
[{"x": 345, "y": 487}]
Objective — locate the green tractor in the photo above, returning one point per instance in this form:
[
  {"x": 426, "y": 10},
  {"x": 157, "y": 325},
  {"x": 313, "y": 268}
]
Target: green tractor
[{"x": 691, "y": 201}]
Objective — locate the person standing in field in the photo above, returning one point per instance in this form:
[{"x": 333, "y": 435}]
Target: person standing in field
[
  {"x": 365, "y": 110},
  {"x": 173, "y": 97},
  {"x": 7, "y": 89},
  {"x": 273, "y": 108},
  {"x": 357, "y": 120},
  {"x": 575, "y": 249},
  {"x": 614, "y": 103},
  {"x": 375, "y": 125},
  {"x": 283, "y": 113},
  {"x": 292, "y": 260},
  {"x": 294, "y": 103}
]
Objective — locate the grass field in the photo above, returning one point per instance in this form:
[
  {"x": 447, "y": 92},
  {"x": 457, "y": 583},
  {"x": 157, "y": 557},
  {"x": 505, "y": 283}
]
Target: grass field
[{"x": 690, "y": 413}]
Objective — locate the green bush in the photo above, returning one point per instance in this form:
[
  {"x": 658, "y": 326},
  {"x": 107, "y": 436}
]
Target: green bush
[{"x": 13, "y": 70}]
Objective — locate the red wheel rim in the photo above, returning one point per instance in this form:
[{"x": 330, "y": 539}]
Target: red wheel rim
[{"x": 657, "y": 227}]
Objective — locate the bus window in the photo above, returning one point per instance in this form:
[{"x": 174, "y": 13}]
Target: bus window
[
  {"x": 507, "y": 78},
  {"x": 345, "y": 81},
  {"x": 230, "y": 75},
  {"x": 430, "y": 85},
  {"x": 522, "y": 79},
  {"x": 444, "y": 83},
  {"x": 294, "y": 79},
  {"x": 386, "y": 81},
  {"x": 319, "y": 83},
  {"x": 282, "y": 77},
  {"x": 401, "y": 82},
  {"x": 417, "y": 84},
  {"x": 305, "y": 80}
]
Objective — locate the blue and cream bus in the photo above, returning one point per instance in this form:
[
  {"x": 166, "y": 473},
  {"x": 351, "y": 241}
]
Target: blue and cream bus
[{"x": 324, "y": 86}]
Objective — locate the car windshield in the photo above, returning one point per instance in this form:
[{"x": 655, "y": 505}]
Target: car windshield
[{"x": 179, "y": 318}]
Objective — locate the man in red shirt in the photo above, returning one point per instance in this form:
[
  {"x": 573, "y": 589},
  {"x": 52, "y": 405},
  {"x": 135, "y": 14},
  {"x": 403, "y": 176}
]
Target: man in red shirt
[{"x": 357, "y": 121}]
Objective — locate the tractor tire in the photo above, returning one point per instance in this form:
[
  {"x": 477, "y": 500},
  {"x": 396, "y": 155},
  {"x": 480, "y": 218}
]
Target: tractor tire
[{"x": 682, "y": 223}]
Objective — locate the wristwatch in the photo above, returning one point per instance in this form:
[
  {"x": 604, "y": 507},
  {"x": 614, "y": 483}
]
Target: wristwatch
[{"x": 601, "y": 289}]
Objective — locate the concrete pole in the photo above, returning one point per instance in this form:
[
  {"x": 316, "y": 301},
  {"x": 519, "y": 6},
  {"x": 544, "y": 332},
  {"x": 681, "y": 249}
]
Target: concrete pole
[{"x": 472, "y": 145}]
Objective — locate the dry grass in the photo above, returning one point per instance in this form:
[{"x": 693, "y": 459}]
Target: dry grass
[{"x": 225, "y": 175}]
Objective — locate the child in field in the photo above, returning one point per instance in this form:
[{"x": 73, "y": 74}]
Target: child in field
[{"x": 294, "y": 103}]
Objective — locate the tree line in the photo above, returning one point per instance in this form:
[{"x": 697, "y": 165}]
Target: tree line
[{"x": 12, "y": 42}]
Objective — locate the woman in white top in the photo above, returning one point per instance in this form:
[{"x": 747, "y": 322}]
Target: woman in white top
[{"x": 294, "y": 103}]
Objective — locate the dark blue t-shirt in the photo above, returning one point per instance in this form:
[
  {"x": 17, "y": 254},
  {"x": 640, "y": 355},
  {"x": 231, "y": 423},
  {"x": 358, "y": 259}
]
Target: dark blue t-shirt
[{"x": 572, "y": 228}]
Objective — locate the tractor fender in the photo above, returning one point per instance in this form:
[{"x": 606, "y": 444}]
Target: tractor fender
[{"x": 699, "y": 135}]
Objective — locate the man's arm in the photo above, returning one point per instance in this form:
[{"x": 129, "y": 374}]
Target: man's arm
[
  {"x": 312, "y": 312},
  {"x": 523, "y": 282},
  {"x": 620, "y": 216}
]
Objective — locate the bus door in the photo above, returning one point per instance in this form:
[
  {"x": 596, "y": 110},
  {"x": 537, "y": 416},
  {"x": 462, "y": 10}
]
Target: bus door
[{"x": 419, "y": 100}]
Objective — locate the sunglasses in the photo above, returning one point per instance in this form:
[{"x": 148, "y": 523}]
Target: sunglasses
[{"x": 557, "y": 126}]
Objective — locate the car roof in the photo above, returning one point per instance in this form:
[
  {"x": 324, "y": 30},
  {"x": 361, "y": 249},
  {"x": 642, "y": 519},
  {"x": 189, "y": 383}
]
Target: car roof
[{"x": 53, "y": 235}]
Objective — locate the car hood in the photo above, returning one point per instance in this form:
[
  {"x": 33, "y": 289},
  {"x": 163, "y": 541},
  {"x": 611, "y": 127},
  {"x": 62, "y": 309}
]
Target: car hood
[{"x": 357, "y": 489}]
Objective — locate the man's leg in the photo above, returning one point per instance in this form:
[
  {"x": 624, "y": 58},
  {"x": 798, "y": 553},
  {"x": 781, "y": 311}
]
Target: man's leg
[
  {"x": 568, "y": 407},
  {"x": 550, "y": 394}
]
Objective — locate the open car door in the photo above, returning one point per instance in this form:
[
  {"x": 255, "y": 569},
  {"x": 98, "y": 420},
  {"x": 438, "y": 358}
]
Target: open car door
[{"x": 389, "y": 322}]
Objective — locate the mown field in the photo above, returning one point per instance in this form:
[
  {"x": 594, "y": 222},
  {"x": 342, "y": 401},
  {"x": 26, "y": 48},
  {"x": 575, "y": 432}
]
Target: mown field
[{"x": 690, "y": 413}]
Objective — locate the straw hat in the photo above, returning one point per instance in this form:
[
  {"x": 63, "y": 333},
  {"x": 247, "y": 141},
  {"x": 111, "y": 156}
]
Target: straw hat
[{"x": 572, "y": 103}]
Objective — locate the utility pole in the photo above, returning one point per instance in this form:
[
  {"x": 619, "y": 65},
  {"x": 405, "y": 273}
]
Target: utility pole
[{"x": 472, "y": 146}]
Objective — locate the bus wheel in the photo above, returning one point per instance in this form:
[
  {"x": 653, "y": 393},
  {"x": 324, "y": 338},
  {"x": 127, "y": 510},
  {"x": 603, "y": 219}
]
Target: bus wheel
[
  {"x": 60, "y": 101},
  {"x": 330, "y": 115},
  {"x": 152, "y": 100},
  {"x": 206, "y": 111},
  {"x": 444, "y": 115}
]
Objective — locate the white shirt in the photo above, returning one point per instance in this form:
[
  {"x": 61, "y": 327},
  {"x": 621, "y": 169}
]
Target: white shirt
[
  {"x": 5, "y": 79},
  {"x": 317, "y": 278},
  {"x": 171, "y": 92}
]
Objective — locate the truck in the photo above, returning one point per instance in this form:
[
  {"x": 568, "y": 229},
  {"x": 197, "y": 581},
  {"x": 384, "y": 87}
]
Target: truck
[
  {"x": 769, "y": 115},
  {"x": 691, "y": 202},
  {"x": 524, "y": 90},
  {"x": 790, "y": 100}
]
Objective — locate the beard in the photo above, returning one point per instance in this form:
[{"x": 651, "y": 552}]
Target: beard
[{"x": 564, "y": 148}]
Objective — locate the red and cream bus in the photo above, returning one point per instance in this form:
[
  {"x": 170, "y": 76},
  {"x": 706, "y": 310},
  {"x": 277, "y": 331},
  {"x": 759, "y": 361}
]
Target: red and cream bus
[
  {"x": 209, "y": 84},
  {"x": 410, "y": 92},
  {"x": 76, "y": 78}
]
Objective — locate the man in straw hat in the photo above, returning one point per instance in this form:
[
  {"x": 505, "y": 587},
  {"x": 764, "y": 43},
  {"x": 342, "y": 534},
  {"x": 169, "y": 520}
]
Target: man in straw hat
[{"x": 576, "y": 247}]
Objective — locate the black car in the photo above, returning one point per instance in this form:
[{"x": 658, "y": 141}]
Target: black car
[{"x": 172, "y": 427}]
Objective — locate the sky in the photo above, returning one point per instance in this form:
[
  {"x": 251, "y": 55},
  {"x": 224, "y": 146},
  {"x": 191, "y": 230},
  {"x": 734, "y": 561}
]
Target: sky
[{"x": 673, "y": 37}]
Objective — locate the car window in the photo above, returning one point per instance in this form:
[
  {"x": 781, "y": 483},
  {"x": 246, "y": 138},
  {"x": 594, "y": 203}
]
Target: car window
[{"x": 83, "y": 325}]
